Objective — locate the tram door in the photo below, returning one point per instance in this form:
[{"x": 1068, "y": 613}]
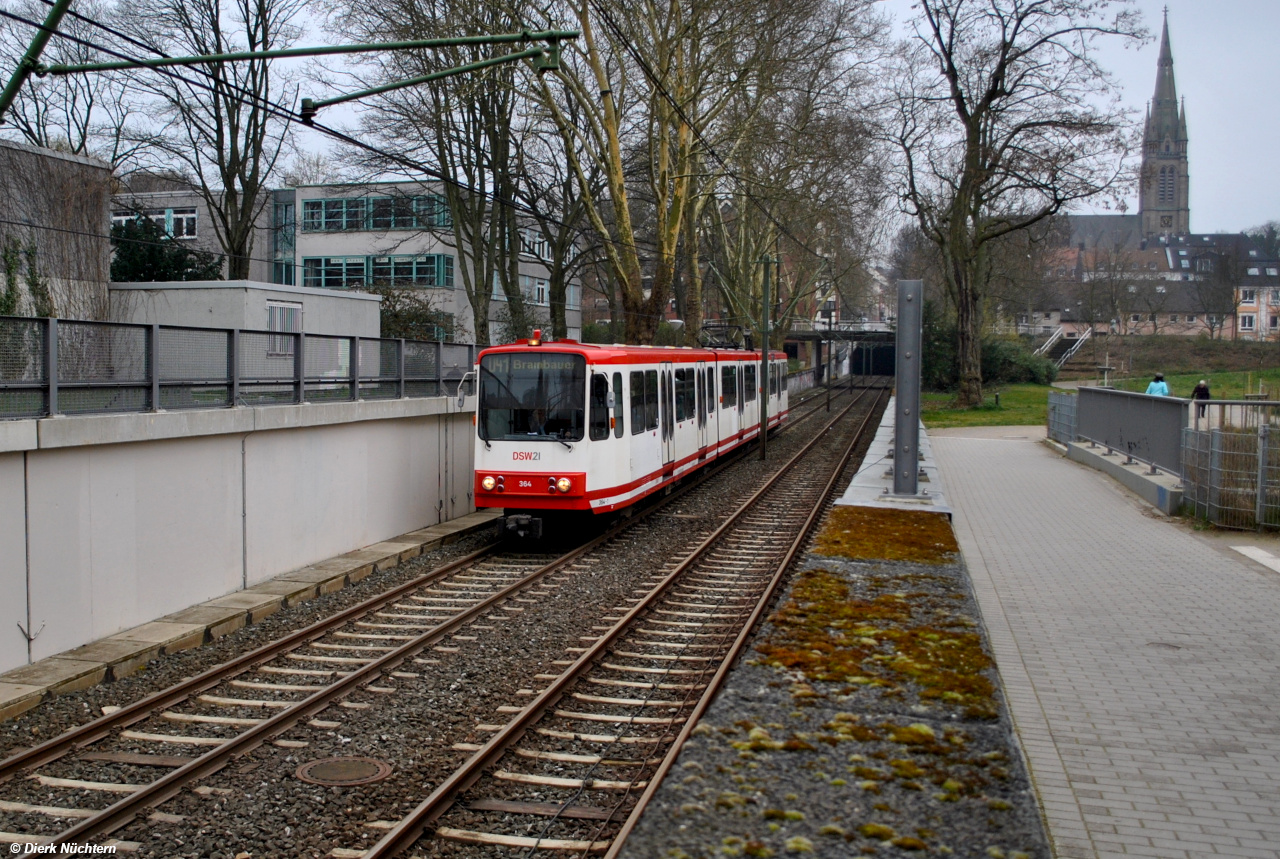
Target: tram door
[
  {"x": 667, "y": 411},
  {"x": 700, "y": 374}
]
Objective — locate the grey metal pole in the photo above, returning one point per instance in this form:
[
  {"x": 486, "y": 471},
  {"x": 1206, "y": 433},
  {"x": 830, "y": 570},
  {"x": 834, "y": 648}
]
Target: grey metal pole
[
  {"x": 906, "y": 426},
  {"x": 153, "y": 361},
  {"x": 355, "y": 368},
  {"x": 51, "y": 362},
  {"x": 400, "y": 386},
  {"x": 300, "y": 369},
  {"x": 440, "y": 392},
  {"x": 764, "y": 358},
  {"x": 233, "y": 365},
  {"x": 1261, "y": 506}
]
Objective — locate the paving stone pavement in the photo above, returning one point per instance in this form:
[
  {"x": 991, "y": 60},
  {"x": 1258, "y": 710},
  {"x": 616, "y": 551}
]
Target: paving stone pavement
[{"x": 1141, "y": 660}]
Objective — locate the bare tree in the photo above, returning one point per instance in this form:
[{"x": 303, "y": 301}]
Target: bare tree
[
  {"x": 466, "y": 127},
  {"x": 84, "y": 114},
  {"x": 1001, "y": 116},
  {"x": 225, "y": 138}
]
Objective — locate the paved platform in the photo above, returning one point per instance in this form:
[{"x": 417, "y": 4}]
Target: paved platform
[
  {"x": 1141, "y": 658},
  {"x": 123, "y": 653}
]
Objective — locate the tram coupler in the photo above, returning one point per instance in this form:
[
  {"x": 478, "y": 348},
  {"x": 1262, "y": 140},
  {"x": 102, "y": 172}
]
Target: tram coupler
[{"x": 522, "y": 525}]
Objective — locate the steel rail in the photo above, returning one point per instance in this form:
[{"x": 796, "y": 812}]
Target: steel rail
[
  {"x": 410, "y": 828},
  {"x": 92, "y": 731},
  {"x": 739, "y": 644},
  {"x": 124, "y": 811},
  {"x": 95, "y": 730}
]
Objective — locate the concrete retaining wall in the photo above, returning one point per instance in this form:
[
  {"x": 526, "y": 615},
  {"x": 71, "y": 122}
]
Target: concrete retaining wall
[{"x": 110, "y": 521}]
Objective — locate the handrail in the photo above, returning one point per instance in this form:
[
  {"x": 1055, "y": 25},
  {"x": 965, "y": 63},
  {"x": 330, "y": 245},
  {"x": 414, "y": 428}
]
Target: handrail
[
  {"x": 1048, "y": 344},
  {"x": 1088, "y": 332}
]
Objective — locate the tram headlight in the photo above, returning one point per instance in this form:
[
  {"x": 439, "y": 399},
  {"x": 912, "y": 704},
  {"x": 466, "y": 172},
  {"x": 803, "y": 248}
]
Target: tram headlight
[
  {"x": 564, "y": 484},
  {"x": 488, "y": 483}
]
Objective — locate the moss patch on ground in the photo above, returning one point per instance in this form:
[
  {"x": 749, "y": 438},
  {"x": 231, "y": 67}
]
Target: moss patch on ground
[
  {"x": 897, "y": 637},
  {"x": 891, "y": 535}
]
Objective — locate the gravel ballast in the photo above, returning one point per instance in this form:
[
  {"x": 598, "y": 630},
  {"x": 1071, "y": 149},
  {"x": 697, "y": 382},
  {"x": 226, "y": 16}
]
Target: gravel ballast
[{"x": 865, "y": 719}]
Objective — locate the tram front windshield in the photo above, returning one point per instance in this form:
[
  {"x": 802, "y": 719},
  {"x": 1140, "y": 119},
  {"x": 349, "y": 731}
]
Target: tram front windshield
[{"x": 531, "y": 396}]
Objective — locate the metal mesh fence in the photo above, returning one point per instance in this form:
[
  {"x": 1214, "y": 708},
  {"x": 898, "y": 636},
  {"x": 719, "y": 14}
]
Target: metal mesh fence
[
  {"x": 1232, "y": 479},
  {"x": 1062, "y": 416},
  {"x": 195, "y": 368},
  {"x": 379, "y": 369},
  {"x": 268, "y": 371},
  {"x": 102, "y": 368},
  {"x": 112, "y": 367},
  {"x": 420, "y": 369},
  {"x": 328, "y": 368},
  {"x": 22, "y": 368},
  {"x": 455, "y": 362}
]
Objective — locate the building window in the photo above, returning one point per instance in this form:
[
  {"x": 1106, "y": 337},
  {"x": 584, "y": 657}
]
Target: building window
[
  {"x": 1191, "y": 317},
  {"x": 351, "y": 214},
  {"x": 333, "y": 272},
  {"x": 534, "y": 244},
  {"x": 286, "y": 318},
  {"x": 1271, "y": 272},
  {"x": 1173, "y": 317},
  {"x": 1246, "y": 321},
  {"x": 1275, "y": 322},
  {"x": 177, "y": 223},
  {"x": 429, "y": 270},
  {"x": 282, "y": 272},
  {"x": 1160, "y": 289},
  {"x": 1248, "y": 296},
  {"x": 1186, "y": 263},
  {"x": 1275, "y": 296},
  {"x": 1135, "y": 318}
]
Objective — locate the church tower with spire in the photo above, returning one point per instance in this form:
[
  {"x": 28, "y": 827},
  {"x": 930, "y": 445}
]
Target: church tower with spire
[{"x": 1163, "y": 200}]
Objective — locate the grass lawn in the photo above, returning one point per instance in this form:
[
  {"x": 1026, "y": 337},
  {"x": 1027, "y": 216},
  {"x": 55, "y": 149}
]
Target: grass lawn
[
  {"x": 1020, "y": 405},
  {"x": 1223, "y": 386}
]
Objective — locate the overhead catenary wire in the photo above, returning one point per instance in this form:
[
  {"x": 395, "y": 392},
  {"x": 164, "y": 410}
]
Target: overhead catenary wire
[{"x": 287, "y": 114}]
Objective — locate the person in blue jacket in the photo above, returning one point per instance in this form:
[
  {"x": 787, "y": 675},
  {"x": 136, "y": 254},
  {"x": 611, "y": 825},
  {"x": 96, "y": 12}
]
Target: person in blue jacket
[{"x": 1158, "y": 388}]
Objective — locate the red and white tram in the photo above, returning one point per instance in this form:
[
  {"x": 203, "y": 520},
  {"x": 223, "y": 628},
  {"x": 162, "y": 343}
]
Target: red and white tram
[{"x": 567, "y": 426}]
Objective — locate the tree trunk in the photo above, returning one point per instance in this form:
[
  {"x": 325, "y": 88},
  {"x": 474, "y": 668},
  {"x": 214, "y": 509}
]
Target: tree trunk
[{"x": 968, "y": 337}]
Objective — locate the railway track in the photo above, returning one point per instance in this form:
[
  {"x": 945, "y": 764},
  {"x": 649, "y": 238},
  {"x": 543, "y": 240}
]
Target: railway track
[
  {"x": 151, "y": 750},
  {"x": 573, "y": 769}
]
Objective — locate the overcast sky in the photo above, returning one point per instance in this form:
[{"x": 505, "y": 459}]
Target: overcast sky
[{"x": 1226, "y": 59}]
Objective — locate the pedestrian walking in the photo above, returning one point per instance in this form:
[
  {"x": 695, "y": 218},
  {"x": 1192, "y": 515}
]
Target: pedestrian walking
[
  {"x": 1201, "y": 392},
  {"x": 1158, "y": 388}
]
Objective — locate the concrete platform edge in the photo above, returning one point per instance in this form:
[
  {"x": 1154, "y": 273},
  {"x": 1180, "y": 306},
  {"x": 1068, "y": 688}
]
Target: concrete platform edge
[{"x": 123, "y": 653}]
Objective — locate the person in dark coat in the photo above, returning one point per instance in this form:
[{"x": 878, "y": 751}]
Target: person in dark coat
[{"x": 1201, "y": 392}]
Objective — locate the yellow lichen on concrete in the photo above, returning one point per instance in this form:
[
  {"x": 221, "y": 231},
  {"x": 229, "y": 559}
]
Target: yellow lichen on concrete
[{"x": 890, "y": 535}]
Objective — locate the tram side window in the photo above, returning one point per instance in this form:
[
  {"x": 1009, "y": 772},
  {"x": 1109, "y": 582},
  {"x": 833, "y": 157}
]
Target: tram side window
[
  {"x": 637, "y": 402},
  {"x": 729, "y": 385},
  {"x": 749, "y": 382},
  {"x": 700, "y": 385},
  {"x": 711, "y": 391},
  {"x": 617, "y": 405},
  {"x": 679, "y": 394},
  {"x": 651, "y": 399},
  {"x": 599, "y": 423}
]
